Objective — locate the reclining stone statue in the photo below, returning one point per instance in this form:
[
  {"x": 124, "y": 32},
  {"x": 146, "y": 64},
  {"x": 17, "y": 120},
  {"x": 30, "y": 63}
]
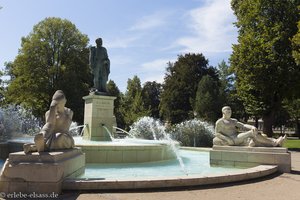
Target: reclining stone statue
[
  {"x": 55, "y": 133},
  {"x": 227, "y": 133}
]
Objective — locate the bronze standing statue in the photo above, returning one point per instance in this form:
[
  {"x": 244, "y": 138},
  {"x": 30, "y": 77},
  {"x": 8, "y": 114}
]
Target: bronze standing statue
[{"x": 100, "y": 65}]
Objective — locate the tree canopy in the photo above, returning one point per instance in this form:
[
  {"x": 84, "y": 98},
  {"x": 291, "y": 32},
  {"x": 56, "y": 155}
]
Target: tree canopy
[
  {"x": 296, "y": 45},
  {"x": 53, "y": 56},
  {"x": 209, "y": 99},
  {"x": 180, "y": 86},
  {"x": 262, "y": 61},
  {"x": 132, "y": 104},
  {"x": 113, "y": 90},
  {"x": 151, "y": 97}
]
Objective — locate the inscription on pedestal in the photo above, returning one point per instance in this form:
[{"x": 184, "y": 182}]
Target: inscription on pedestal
[
  {"x": 98, "y": 112},
  {"x": 103, "y": 103}
]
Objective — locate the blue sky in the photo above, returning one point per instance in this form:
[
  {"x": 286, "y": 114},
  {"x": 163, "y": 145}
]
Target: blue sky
[{"x": 141, "y": 36}]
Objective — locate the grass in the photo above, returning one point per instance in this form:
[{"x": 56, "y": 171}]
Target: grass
[{"x": 292, "y": 144}]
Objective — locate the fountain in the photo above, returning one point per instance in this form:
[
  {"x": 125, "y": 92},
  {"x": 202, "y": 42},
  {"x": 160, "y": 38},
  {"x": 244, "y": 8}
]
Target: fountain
[
  {"x": 100, "y": 147},
  {"x": 142, "y": 163},
  {"x": 133, "y": 163}
]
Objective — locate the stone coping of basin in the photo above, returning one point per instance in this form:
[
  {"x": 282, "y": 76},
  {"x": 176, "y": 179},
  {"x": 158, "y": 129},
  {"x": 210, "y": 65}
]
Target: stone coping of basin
[
  {"x": 165, "y": 182},
  {"x": 119, "y": 145},
  {"x": 251, "y": 149},
  {"x": 206, "y": 149},
  {"x": 43, "y": 157}
]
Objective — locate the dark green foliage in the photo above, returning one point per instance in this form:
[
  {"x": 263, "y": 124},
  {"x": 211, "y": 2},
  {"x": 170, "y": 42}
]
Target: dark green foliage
[
  {"x": 113, "y": 90},
  {"x": 180, "y": 86},
  {"x": 2, "y": 89},
  {"x": 151, "y": 97},
  {"x": 132, "y": 104},
  {"x": 296, "y": 50},
  {"x": 53, "y": 56},
  {"x": 292, "y": 106},
  {"x": 226, "y": 77},
  {"x": 296, "y": 45},
  {"x": 228, "y": 92},
  {"x": 262, "y": 60},
  {"x": 209, "y": 100}
]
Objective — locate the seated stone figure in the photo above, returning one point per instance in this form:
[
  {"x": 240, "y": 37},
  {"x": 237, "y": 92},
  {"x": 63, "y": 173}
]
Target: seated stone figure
[
  {"x": 226, "y": 133},
  {"x": 55, "y": 133}
]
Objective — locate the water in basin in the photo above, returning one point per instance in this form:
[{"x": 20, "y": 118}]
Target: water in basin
[{"x": 196, "y": 163}]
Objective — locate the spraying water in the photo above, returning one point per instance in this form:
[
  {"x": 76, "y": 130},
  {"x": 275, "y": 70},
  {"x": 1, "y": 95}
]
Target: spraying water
[
  {"x": 149, "y": 128},
  {"x": 109, "y": 133},
  {"x": 131, "y": 135},
  {"x": 74, "y": 129},
  {"x": 194, "y": 133},
  {"x": 146, "y": 128},
  {"x": 172, "y": 144}
]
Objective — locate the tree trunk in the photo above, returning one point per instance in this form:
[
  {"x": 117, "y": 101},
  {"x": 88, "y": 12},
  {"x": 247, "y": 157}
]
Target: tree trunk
[
  {"x": 256, "y": 122},
  {"x": 268, "y": 123}
]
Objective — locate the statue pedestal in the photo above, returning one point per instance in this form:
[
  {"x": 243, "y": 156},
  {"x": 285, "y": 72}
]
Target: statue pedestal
[
  {"x": 251, "y": 156},
  {"x": 41, "y": 173},
  {"x": 99, "y": 116}
]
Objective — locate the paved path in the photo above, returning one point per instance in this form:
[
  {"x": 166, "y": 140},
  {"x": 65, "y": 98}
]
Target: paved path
[{"x": 278, "y": 186}]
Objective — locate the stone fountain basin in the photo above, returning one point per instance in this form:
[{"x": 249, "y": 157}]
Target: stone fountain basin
[
  {"x": 116, "y": 151},
  {"x": 199, "y": 173},
  {"x": 126, "y": 150},
  {"x": 168, "y": 182}
]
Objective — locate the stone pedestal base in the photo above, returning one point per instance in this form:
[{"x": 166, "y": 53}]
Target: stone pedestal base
[
  {"x": 251, "y": 156},
  {"x": 41, "y": 173},
  {"x": 99, "y": 117}
]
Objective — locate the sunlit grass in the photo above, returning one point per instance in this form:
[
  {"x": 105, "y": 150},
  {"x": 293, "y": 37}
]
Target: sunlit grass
[{"x": 292, "y": 144}]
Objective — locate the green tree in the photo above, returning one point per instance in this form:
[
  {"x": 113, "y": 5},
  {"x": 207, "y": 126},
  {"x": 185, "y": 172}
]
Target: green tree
[
  {"x": 209, "y": 99},
  {"x": 151, "y": 97},
  {"x": 225, "y": 76},
  {"x": 180, "y": 86},
  {"x": 2, "y": 88},
  {"x": 262, "y": 60},
  {"x": 296, "y": 44},
  {"x": 292, "y": 106},
  {"x": 296, "y": 52},
  {"x": 53, "y": 56},
  {"x": 113, "y": 90},
  {"x": 132, "y": 104},
  {"x": 228, "y": 91}
]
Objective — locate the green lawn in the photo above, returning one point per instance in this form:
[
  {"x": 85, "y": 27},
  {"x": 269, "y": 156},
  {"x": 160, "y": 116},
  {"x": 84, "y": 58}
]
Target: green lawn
[{"x": 292, "y": 144}]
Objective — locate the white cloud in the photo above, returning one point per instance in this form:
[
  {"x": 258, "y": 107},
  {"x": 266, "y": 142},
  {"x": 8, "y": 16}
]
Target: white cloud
[
  {"x": 156, "y": 65},
  {"x": 155, "y": 70},
  {"x": 159, "y": 78},
  {"x": 120, "y": 60},
  {"x": 135, "y": 32},
  {"x": 212, "y": 28},
  {"x": 123, "y": 42},
  {"x": 155, "y": 20}
]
